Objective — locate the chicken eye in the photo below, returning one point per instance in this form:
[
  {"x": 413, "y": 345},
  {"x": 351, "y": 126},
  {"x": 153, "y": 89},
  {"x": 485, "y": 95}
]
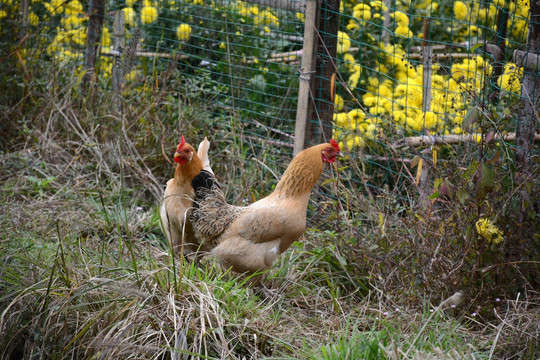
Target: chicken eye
[{"x": 186, "y": 151}]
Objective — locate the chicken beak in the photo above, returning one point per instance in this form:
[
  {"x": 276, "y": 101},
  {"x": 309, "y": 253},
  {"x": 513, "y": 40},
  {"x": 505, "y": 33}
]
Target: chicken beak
[
  {"x": 340, "y": 154},
  {"x": 176, "y": 155}
]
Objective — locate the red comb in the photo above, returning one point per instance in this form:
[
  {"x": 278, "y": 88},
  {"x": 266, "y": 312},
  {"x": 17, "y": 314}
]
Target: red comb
[
  {"x": 182, "y": 143},
  {"x": 334, "y": 144}
]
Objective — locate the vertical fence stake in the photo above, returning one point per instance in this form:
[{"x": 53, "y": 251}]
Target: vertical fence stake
[
  {"x": 320, "y": 127},
  {"x": 25, "y": 10},
  {"x": 306, "y": 70},
  {"x": 118, "y": 49},
  {"x": 93, "y": 37},
  {"x": 428, "y": 68},
  {"x": 530, "y": 88}
]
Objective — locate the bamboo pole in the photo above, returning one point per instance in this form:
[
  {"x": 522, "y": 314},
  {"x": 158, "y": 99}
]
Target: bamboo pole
[
  {"x": 291, "y": 5},
  {"x": 306, "y": 70},
  {"x": 424, "y": 140}
]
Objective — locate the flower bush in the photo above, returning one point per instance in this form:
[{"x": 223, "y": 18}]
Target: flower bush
[
  {"x": 378, "y": 55},
  {"x": 385, "y": 76}
]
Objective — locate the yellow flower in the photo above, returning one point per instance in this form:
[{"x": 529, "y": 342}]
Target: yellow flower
[
  {"x": 129, "y": 16},
  {"x": 105, "y": 38},
  {"x": 254, "y": 10},
  {"x": 3, "y": 14},
  {"x": 149, "y": 14},
  {"x": 489, "y": 231},
  {"x": 34, "y": 19},
  {"x": 510, "y": 79},
  {"x": 353, "y": 141},
  {"x": 338, "y": 102},
  {"x": 341, "y": 120},
  {"x": 183, "y": 32},
  {"x": 132, "y": 75},
  {"x": 74, "y": 7},
  {"x": 352, "y": 25},
  {"x": 403, "y": 31},
  {"x": 55, "y": 7},
  {"x": 461, "y": 11},
  {"x": 401, "y": 18},
  {"x": 344, "y": 42},
  {"x": 431, "y": 119},
  {"x": 130, "y": 3},
  {"x": 79, "y": 36},
  {"x": 353, "y": 80},
  {"x": 379, "y": 5},
  {"x": 355, "y": 117},
  {"x": 268, "y": 18},
  {"x": 71, "y": 22},
  {"x": 300, "y": 16},
  {"x": 362, "y": 11}
]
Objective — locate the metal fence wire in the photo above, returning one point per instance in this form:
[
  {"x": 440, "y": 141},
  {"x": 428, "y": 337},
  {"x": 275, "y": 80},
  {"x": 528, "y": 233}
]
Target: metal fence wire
[{"x": 402, "y": 68}]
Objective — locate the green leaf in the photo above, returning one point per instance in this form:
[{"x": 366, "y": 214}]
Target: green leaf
[
  {"x": 463, "y": 196},
  {"x": 471, "y": 170},
  {"x": 435, "y": 195},
  {"x": 472, "y": 116},
  {"x": 437, "y": 183},
  {"x": 473, "y": 48},
  {"x": 486, "y": 183}
]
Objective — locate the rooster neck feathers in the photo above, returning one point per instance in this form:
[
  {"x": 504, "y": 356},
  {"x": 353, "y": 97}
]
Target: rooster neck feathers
[
  {"x": 302, "y": 173},
  {"x": 188, "y": 170}
]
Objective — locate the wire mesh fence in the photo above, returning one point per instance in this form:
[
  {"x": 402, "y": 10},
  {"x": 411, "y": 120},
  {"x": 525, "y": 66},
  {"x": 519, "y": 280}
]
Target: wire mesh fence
[{"x": 398, "y": 68}]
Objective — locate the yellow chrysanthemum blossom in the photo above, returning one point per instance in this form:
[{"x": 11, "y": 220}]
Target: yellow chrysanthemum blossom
[
  {"x": 461, "y": 10},
  {"x": 353, "y": 80},
  {"x": 54, "y": 7},
  {"x": 183, "y": 32},
  {"x": 379, "y": 5},
  {"x": 362, "y": 12},
  {"x": 510, "y": 79},
  {"x": 489, "y": 231},
  {"x": 129, "y": 16},
  {"x": 403, "y": 31},
  {"x": 338, "y": 102},
  {"x": 105, "y": 37},
  {"x": 34, "y": 19},
  {"x": 401, "y": 18},
  {"x": 149, "y": 14},
  {"x": 73, "y": 7},
  {"x": 344, "y": 42}
]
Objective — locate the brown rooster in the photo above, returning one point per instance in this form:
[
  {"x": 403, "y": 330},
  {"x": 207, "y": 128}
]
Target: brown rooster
[
  {"x": 179, "y": 195},
  {"x": 249, "y": 239}
]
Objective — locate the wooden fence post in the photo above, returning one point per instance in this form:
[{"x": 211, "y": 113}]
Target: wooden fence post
[
  {"x": 118, "y": 49},
  {"x": 306, "y": 71},
  {"x": 93, "y": 37},
  {"x": 427, "y": 67},
  {"x": 316, "y": 103},
  {"x": 530, "y": 92},
  {"x": 320, "y": 127},
  {"x": 25, "y": 10}
]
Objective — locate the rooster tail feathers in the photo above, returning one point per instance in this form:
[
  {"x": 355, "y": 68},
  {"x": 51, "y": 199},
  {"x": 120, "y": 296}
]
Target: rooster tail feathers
[{"x": 204, "y": 146}]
